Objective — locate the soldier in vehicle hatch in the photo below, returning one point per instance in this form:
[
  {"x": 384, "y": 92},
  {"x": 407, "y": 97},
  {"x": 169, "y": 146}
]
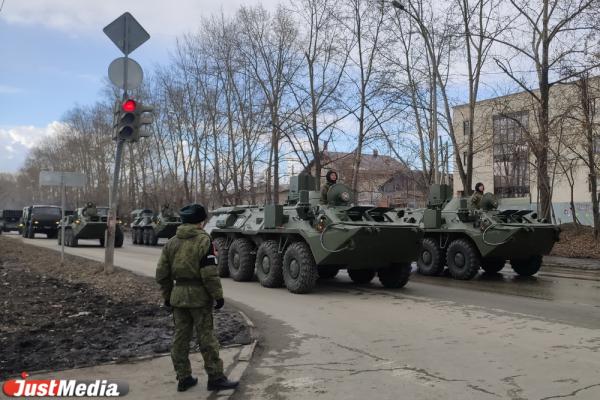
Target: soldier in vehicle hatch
[
  {"x": 331, "y": 179},
  {"x": 190, "y": 284},
  {"x": 477, "y": 195}
]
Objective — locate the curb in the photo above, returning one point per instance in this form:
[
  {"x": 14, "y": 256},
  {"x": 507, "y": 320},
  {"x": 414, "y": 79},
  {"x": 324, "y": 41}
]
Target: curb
[{"x": 244, "y": 358}]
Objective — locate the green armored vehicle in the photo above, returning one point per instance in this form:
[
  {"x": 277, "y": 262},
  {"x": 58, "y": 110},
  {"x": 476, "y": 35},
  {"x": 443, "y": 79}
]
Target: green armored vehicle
[
  {"x": 88, "y": 222},
  {"x": 466, "y": 238},
  {"x": 147, "y": 229},
  {"x": 293, "y": 245}
]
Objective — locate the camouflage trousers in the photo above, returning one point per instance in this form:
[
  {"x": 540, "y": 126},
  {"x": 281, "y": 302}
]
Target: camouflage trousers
[{"x": 185, "y": 320}]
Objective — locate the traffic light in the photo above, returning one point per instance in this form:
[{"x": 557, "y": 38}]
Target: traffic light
[
  {"x": 144, "y": 117},
  {"x": 126, "y": 118},
  {"x": 130, "y": 119}
]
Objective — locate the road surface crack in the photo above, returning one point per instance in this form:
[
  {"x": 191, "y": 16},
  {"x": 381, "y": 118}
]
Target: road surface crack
[{"x": 573, "y": 393}]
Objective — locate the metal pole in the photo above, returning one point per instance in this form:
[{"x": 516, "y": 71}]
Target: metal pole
[
  {"x": 113, "y": 202},
  {"x": 113, "y": 205},
  {"x": 62, "y": 219}
]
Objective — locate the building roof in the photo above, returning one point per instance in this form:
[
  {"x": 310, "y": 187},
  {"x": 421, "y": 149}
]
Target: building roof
[{"x": 370, "y": 162}]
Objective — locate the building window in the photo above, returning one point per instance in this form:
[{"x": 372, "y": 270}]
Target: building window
[
  {"x": 466, "y": 128},
  {"x": 511, "y": 155}
]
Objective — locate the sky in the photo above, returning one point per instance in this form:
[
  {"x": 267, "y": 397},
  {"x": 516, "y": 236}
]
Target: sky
[{"x": 54, "y": 55}]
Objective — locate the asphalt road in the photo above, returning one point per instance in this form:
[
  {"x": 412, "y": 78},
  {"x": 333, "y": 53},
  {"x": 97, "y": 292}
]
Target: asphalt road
[{"x": 500, "y": 337}]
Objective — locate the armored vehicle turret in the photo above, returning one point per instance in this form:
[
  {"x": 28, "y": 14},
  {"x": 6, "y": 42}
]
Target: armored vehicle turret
[
  {"x": 466, "y": 238},
  {"x": 295, "y": 243},
  {"x": 88, "y": 222},
  {"x": 147, "y": 229}
]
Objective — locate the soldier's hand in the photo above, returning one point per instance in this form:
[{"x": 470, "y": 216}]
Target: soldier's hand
[{"x": 219, "y": 303}]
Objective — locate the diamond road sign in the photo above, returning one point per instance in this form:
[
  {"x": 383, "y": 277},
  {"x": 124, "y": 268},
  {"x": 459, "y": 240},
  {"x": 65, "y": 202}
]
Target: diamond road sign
[{"x": 126, "y": 33}]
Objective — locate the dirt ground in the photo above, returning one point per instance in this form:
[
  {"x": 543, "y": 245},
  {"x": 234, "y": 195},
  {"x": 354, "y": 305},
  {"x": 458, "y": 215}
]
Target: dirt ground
[
  {"x": 54, "y": 317},
  {"x": 577, "y": 242}
]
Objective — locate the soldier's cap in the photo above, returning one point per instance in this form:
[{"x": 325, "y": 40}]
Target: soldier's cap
[{"x": 192, "y": 213}]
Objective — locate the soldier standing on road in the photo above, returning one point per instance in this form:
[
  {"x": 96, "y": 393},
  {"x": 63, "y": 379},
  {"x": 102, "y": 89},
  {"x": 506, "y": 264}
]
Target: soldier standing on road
[
  {"x": 477, "y": 195},
  {"x": 331, "y": 179},
  {"x": 190, "y": 285}
]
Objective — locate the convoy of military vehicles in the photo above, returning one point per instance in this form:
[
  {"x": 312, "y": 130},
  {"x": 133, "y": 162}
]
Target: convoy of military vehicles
[{"x": 294, "y": 244}]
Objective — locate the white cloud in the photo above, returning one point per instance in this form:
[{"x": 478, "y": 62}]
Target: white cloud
[
  {"x": 158, "y": 17},
  {"x": 28, "y": 136}
]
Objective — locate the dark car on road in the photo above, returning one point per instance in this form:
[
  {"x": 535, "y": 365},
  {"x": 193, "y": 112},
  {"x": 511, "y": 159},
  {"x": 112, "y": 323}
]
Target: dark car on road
[
  {"x": 9, "y": 220},
  {"x": 40, "y": 219}
]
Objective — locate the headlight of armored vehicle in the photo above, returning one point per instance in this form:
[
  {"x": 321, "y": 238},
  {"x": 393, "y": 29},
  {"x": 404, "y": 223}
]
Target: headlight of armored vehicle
[{"x": 321, "y": 224}]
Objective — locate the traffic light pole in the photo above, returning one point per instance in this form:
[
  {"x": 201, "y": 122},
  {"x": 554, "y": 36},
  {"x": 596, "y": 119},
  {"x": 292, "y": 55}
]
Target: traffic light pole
[{"x": 109, "y": 243}]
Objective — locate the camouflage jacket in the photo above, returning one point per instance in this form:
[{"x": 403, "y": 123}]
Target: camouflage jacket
[
  {"x": 476, "y": 199},
  {"x": 182, "y": 258},
  {"x": 324, "y": 190}
]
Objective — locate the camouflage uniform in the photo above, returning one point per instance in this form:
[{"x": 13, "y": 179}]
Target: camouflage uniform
[
  {"x": 324, "y": 190},
  {"x": 196, "y": 287},
  {"x": 476, "y": 199}
]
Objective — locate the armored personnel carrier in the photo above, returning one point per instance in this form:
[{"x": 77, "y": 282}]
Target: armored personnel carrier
[
  {"x": 467, "y": 239},
  {"x": 88, "y": 222},
  {"x": 294, "y": 244},
  {"x": 146, "y": 229}
]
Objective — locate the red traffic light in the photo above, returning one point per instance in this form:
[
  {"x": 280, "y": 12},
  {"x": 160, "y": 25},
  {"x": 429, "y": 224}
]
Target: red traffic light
[{"x": 129, "y": 105}]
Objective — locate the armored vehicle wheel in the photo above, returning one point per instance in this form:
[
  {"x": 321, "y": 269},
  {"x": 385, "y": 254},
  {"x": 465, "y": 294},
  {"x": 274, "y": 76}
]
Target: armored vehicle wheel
[
  {"x": 527, "y": 267},
  {"x": 241, "y": 260},
  {"x": 118, "y": 240},
  {"x": 269, "y": 265},
  {"x": 139, "y": 237},
  {"x": 463, "y": 259},
  {"x": 395, "y": 276},
  {"x": 432, "y": 258},
  {"x": 74, "y": 240},
  {"x": 152, "y": 240},
  {"x": 328, "y": 272},
  {"x": 134, "y": 236},
  {"x": 222, "y": 253},
  {"x": 361, "y": 276},
  {"x": 493, "y": 265},
  {"x": 146, "y": 236},
  {"x": 299, "y": 268}
]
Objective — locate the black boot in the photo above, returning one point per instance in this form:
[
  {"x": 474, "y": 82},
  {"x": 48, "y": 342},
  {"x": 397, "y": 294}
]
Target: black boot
[
  {"x": 186, "y": 383},
  {"x": 221, "y": 383}
]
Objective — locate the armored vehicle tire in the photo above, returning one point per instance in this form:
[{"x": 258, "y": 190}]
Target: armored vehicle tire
[
  {"x": 139, "y": 239},
  {"x": 361, "y": 276},
  {"x": 269, "y": 265},
  {"x": 222, "y": 252},
  {"x": 394, "y": 277},
  {"x": 152, "y": 239},
  {"x": 145, "y": 239},
  {"x": 299, "y": 268},
  {"x": 527, "y": 267},
  {"x": 328, "y": 272},
  {"x": 134, "y": 236},
  {"x": 463, "y": 259},
  {"x": 241, "y": 260},
  {"x": 432, "y": 258},
  {"x": 492, "y": 265}
]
